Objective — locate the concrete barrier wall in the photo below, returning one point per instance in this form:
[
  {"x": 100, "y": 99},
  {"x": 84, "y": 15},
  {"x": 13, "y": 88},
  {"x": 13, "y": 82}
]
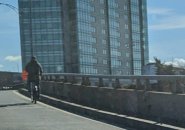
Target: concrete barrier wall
[{"x": 165, "y": 107}]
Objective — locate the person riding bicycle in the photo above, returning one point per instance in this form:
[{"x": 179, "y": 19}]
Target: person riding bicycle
[{"x": 34, "y": 70}]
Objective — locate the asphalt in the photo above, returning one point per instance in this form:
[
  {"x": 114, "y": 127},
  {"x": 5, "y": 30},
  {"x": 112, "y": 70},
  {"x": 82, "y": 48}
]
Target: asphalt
[{"x": 18, "y": 113}]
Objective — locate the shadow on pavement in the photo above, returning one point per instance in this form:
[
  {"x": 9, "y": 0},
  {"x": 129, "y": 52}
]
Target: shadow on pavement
[{"x": 16, "y": 104}]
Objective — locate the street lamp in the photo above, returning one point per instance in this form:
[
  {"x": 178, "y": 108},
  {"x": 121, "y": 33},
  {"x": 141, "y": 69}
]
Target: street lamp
[
  {"x": 31, "y": 37},
  {"x": 16, "y": 10},
  {"x": 10, "y": 6}
]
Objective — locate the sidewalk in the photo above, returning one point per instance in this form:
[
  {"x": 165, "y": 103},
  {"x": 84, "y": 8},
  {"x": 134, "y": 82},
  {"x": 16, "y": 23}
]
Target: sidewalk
[{"x": 111, "y": 118}]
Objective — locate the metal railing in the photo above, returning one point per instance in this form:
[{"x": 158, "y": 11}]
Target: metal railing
[{"x": 162, "y": 83}]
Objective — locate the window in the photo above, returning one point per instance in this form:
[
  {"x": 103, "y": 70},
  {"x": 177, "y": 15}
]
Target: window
[
  {"x": 115, "y": 63},
  {"x": 127, "y": 64},
  {"x": 103, "y": 31},
  {"x": 127, "y": 55},
  {"x": 105, "y": 71},
  {"x": 115, "y": 52},
  {"x": 101, "y": 1},
  {"x": 102, "y": 21},
  {"x": 102, "y": 11},
  {"x": 105, "y": 62},
  {"x": 126, "y": 26},
  {"x": 125, "y": 7},
  {"x": 104, "y": 51},
  {"x": 104, "y": 41},
  {"x": 126, "y": 36},
  {"x": 88, "y": 69}
]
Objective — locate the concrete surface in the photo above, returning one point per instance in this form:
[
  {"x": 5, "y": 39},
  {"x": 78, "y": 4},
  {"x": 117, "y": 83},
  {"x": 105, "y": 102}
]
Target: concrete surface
[{"x": 17, "y": 113}]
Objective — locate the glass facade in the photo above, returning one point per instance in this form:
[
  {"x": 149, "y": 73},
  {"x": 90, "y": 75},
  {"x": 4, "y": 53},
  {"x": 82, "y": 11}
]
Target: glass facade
[
  {"x": 41, "y": 33},
  {"x": 87, "y": 58},
  {"x": 139, "y": 35},
  {"x": 145, "y": 32},
  {"x": 85, "y": 36},
  {"x": 114, "y": 37},
  {"x": 136, "y": 37}
]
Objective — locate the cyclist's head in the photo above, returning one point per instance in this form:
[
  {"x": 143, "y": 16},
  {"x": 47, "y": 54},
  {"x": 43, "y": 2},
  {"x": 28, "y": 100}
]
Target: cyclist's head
[{"x": 33, "y": 58}]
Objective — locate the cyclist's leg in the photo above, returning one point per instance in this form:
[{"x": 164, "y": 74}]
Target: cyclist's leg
[
  {"x": 38, "y": 87},
  {"x": 31, "y": 89},
  {"x": 35, "y": 92},
  {"x": 29, "y": 86}
]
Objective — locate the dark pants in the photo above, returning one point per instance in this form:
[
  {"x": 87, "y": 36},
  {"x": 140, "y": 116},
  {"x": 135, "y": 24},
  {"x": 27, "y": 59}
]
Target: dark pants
[{"x": 37, "y": 83}]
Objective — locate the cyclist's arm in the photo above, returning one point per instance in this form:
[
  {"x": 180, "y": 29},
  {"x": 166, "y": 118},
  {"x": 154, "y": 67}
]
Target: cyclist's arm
[{"x": 41, "y": 71}]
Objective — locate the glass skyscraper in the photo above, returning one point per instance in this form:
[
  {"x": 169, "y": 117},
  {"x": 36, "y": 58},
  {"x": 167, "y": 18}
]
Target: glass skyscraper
[{"x": 85, "y": 36}]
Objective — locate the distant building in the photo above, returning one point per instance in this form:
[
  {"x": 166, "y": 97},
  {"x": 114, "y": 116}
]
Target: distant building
[
  {"x": 150, "y": 69},
  {"x": 179, "y": 71},
  {"x": 85, "y": 36},
  {"x": 9, "y": 78}
]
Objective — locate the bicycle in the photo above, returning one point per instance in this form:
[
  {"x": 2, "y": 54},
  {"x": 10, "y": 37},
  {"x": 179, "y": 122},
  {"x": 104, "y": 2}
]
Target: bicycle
[{"x": 34, "y": 92}]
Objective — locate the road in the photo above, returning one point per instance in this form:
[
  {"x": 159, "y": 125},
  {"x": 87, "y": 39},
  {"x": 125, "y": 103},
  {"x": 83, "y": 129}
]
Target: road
[{"x": 18, "y": 113}]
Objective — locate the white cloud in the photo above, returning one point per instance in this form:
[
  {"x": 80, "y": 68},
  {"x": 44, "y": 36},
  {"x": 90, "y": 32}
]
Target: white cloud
[
  {"x": 13, "y": 58},
  {"x": 151, "y": 61},
  {"x": 166, "y": 23},
  {"x": 159, "y": 11},
  {"x": 166, "y": 19},
  {"x": 177, "y": 62}
]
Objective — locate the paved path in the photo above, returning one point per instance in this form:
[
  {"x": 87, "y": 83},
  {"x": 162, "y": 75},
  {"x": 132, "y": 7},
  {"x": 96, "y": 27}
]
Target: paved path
[{"x": 17, "y": 113}]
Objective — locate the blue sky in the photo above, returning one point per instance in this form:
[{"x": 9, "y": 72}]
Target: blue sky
[
  {"x": 166, "y": 30},
  {"x": 166, "y": 23},
  {"x": 10, "y": 59}
]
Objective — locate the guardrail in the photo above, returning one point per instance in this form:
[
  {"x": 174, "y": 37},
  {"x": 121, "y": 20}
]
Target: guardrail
[
  {"x": 14, "y": 86},
  {"x": 167, "y": 83}
]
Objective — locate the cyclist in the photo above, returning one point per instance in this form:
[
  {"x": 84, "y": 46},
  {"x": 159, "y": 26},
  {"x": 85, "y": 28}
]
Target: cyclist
[{"x": 34, "y": 70}]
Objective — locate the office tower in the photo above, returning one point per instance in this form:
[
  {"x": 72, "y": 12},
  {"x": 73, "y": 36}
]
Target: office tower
[{"x": 85, "y": 36}]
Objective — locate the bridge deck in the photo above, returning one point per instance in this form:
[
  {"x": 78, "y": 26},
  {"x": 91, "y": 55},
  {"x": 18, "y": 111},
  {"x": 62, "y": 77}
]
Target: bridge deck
[{"x": 17, "y": 113}]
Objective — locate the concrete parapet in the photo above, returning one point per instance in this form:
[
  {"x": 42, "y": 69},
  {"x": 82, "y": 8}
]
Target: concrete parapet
[{"x": 158, "y": 106}]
